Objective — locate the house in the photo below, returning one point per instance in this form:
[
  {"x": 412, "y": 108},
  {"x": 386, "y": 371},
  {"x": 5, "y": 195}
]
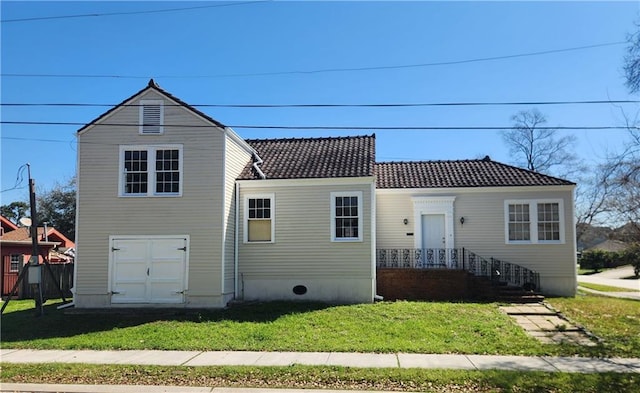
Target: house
[
  {"x": 174, "y": 208},
  {"x": 609, "y": 245},
  {"x": 16, "y": 250}
]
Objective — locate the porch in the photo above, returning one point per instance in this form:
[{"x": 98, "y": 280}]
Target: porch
[{"x": 452, "y": 274}]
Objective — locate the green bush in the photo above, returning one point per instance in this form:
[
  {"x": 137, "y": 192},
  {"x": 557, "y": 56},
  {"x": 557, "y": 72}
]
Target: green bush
[
  {"x": 631, "y": 256},
  {"x": 599, "y": 259},
  {"x": 593, "y": 260}
]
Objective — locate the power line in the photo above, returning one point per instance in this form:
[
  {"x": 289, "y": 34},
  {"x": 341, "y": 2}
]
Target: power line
[
  {"x": 127, "y": 12},
  {"x": 324, "y": 70},
  {"x": 285, "y": 127},
  {"x": 380, "y": 105},
  {"x": 19, "y": 179}
]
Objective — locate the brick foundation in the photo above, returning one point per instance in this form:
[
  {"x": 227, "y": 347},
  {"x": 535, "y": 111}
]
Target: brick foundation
[{"x": 424, "y": 284}]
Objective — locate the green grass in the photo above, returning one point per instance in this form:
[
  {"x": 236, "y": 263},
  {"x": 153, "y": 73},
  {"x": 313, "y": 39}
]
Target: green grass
[
  {"x": 616, "y": 321},
  {"x": 298, "y": 376},
  {"x": 413, "y": 327},
  {"x": 605, "y": 288}
]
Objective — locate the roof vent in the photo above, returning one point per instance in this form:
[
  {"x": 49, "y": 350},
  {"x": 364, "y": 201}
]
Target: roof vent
[{"x": 486, "y": 159}]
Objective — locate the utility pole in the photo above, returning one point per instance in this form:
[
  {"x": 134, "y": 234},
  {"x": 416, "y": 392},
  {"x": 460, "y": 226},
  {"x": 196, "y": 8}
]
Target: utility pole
[{"x": 35, "y": 270}]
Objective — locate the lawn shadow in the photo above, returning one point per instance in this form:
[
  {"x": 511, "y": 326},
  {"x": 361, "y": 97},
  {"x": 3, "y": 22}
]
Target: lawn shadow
[{"x": 25, "y": 325}]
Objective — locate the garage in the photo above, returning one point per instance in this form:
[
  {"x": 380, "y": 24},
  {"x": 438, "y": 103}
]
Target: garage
[{"x": 150, "y": 269}]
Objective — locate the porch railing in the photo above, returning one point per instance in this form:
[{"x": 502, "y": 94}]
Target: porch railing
[{"x": 459, "y": 258}]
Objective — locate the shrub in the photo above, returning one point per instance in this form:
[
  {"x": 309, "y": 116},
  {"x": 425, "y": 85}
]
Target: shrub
[{"x": 631, "y": 256}]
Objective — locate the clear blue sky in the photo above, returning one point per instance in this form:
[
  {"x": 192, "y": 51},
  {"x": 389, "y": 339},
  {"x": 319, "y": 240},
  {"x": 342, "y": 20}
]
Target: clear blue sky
[{"x": 191, "y": 53}]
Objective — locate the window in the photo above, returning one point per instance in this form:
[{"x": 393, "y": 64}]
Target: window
[
  {"x": 259, "y": 214},
  {"x": 16, "y": 261},
  {"x": 346, "y": 216},
  {"x": 519, "y": 223},
  {"x": 534, "y": 221},
  {"x": 151, "y": 117},
  {"x": 139, "y": 177},
  {"x": 548, "y": 221}
]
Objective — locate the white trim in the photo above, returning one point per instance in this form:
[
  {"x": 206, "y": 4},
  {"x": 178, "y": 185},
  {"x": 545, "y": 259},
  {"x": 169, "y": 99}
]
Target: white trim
[
  {"x": 333, "y": 181},
  {"x": 333, "y": 196},
  {"x": 151, "y": 171},
  {"x": 224, "y": 214},
  {"x": 373, "y": 241},
  {"x": 145, "y": 103},
  {"x": 533, "y": 220},
  {"x": 145, "y": 91},
  {"x": 236, "y": 246},
  {"x": 433, "y": 205},
  {"x": 245, "y": 220}
]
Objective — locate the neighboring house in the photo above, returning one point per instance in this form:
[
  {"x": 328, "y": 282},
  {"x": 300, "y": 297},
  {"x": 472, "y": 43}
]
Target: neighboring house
[
  {"x": 16, "y": 250},
  {"x": 174, "y": 208},
  {"x": 609, "y": 245}
]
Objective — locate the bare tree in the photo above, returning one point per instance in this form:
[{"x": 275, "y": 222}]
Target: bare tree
[
  {"x": 632, "y": 61},
  {"x": 623, "y": 184},
  {"x": 538, "y": 147}
]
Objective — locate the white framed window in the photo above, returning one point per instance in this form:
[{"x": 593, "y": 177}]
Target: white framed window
[
  {"x": 536, "y": 221},
  {"x": 151, "y": 117},
  {"x": 15, "y": 262},
  {"x": 346, "y": 216},
  {"x": 259, "y": 218},
  {"x": 150, "y": 170}
]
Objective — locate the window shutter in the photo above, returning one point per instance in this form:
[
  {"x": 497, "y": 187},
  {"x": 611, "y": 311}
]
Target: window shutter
[{"x": 151, "y": 118}]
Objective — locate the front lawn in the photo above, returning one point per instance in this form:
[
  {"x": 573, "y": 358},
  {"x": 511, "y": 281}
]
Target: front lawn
[{"x": 418, "y": 327}]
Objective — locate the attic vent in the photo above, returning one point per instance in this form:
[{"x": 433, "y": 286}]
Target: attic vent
[{"x": 151, "y": 117}]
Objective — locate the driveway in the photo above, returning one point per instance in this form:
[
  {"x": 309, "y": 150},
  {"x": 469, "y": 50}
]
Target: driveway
[{"x": 614, "y": 278}]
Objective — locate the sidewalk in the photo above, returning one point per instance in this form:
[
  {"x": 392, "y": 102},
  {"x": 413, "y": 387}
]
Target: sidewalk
[{"x": 364, "y": 360}]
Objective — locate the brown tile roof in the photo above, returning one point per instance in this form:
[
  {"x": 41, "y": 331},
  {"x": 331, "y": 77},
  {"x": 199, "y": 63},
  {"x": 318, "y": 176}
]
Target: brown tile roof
[
  {"x": 308, "y": 158},
  {"x": 459, "y": 173}
]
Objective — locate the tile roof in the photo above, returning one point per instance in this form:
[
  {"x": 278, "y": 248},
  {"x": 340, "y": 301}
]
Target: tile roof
[
  {"x": 459, "y": 173},
  {"x": 308, "y": 158}
]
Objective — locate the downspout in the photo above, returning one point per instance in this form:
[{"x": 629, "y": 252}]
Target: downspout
[{"x": 235, "y": 246}]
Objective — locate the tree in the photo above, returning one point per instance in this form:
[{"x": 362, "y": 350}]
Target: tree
[
  {"x": 15, "y": 211},
  {"x": 539, "y": 148},
  {"x": 623, "y": 185},
  {"x": 632, "y": 61},
  {"x": 57, "y": 207}
]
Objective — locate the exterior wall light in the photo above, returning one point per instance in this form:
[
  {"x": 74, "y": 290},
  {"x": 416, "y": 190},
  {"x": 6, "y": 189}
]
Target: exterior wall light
[
  {"x": 405, "y": 221},
  {"x": 461, "y": 220}
]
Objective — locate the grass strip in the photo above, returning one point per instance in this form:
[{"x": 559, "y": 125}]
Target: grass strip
[
  {"x": 297, "y": 376},
  {"x": 606, "y": 288}
]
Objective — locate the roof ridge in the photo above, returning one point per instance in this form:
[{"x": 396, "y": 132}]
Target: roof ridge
[
  {"x": 322, "y": 138},
  {"x": 435, "y": 161}
]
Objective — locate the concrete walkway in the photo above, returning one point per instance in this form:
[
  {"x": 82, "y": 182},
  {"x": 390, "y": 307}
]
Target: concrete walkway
[{"x": 365, "y": 360}]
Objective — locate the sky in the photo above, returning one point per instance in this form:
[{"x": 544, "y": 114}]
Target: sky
[{"x": 323, "y": 52}]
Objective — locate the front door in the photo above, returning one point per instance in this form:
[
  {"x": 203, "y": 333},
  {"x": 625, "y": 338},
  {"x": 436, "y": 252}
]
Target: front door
[{"x": 433, "y": 240}]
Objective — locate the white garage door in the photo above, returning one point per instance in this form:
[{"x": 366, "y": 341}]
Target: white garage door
[{"x": 148, "y": 269}]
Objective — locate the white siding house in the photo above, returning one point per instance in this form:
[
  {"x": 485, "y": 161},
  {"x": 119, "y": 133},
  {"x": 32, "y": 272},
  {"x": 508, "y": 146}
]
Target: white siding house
[{"x": 175, "y": 209}]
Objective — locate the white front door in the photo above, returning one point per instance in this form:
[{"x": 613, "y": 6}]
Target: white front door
[
  {"x": 433, "y": 231},
  {"x": 148, "y": 270}
]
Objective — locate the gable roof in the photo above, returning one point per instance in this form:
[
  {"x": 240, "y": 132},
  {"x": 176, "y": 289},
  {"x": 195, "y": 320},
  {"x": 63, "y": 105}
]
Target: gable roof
[
  {"x": 459, "y": 173},
  {"x": 23, "y": 234},
  {"x": 309, "y": 158},
  {"x": 6, "y": 224},
  {"x": 152, "y": 85}
]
